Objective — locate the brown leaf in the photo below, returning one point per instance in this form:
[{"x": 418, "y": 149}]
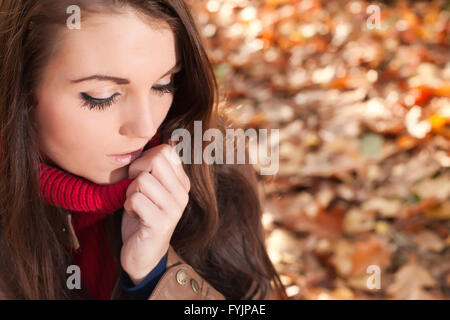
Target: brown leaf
[
  {"x": 410, "y": 282},
  {"x": 428, "y": 240}
]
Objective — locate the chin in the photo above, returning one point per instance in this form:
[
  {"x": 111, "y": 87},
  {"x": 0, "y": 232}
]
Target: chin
[
  {"x": 117, "y": 175},
  {"x": 109, "y": 177}
]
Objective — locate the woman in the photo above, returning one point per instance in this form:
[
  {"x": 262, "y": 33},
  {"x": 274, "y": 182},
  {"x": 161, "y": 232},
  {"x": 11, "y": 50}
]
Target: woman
[{"x": 89, "y": 186}]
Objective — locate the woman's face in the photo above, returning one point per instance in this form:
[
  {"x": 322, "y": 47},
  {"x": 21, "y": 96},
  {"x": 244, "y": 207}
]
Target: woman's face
[{"x": 81, "y": 119}]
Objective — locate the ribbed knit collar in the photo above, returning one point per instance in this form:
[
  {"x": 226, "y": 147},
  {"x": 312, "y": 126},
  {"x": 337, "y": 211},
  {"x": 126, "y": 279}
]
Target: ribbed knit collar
[{"x": 63, "y": 189}]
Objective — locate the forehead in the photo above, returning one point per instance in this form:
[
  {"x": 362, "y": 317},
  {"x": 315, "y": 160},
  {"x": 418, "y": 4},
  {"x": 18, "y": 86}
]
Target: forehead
[{"x": 123, "y": 44}]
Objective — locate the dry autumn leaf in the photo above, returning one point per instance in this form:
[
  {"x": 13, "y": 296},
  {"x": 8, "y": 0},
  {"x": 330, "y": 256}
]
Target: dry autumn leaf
[
  {"x": 410, "y": 283},
  {"x": 364, "y": 120}
]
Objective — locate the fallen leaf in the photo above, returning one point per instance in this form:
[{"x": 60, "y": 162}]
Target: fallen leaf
[
  {"x": 429, "y": 241},
  {"x": 410, "y": 282}
]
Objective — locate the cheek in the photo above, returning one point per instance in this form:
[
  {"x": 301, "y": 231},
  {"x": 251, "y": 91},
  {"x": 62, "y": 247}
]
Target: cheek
[
  {"x": 66, "y": 128},
  {"x": 162, "y": 108}
]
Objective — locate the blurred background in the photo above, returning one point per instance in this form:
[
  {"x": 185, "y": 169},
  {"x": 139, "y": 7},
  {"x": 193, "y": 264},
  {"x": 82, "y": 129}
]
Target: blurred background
[{"x": 360, "y": 91}]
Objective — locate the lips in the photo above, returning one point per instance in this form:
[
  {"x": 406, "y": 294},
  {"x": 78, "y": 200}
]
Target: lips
[{"x": 127, "y": 158}]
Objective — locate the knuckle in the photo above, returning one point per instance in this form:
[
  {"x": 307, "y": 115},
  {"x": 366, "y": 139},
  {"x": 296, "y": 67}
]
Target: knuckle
[
  {"x": 143, "y": 162},
  {"x": 169, "y": 152},
  {"x": 158, "y": 162},
  {"x": 166, "y": 147},
  {"x": 142, "y": 175},
  {"x": 142, "y": 179},
  {"x": 133, "y": 200}
]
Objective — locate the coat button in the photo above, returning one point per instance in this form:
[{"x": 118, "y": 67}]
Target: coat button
[
  {"x": 195, "y": 286},
  {"x": 182, "y": 277}
]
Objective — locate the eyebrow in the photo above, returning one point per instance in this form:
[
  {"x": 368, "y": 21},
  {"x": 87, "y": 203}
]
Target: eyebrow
[{"x": 120, "y": 81}]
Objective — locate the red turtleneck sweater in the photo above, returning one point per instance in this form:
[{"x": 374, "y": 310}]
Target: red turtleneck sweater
[{"x": 90, "y": 204}]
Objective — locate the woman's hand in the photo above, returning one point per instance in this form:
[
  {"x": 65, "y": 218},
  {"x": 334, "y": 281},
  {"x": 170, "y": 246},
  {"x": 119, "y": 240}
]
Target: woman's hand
[{"x": 155, "y": 202}]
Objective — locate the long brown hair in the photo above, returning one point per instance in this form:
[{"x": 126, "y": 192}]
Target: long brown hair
[{"x": 220, "y": 233}]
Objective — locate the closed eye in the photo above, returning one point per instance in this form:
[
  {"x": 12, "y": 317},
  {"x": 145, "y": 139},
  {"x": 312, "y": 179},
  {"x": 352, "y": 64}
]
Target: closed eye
[
  {"x": 165, "y": 89},
  {"x": 101, "y": 104},
  {"x": 95, "y": 103}
]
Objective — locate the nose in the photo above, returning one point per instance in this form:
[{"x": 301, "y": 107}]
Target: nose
[{"x": 138, "y": 120}]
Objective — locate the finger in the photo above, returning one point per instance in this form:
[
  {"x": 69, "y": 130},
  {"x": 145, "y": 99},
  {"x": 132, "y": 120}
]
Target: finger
[
  {"x": 145, "y": 161},
  {"x": 143, "y": 208},
  {"x": 167, "y": 200},
  {"x": 175, "y": 162},
  {"x": 155, "y": 161},
  {"x": 167, "y": 176}
]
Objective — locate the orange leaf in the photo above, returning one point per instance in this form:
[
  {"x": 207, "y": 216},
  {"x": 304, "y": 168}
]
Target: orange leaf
[{"x": 443, "y": 91}]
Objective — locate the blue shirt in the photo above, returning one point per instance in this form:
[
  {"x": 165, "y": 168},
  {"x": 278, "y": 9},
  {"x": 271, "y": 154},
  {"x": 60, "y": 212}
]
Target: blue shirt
[{"x": 143, "y": 290}]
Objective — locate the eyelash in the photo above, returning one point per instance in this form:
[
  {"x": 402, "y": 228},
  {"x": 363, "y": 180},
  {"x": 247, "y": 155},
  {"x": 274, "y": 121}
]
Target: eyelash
[{"x": 102, "y": 104}]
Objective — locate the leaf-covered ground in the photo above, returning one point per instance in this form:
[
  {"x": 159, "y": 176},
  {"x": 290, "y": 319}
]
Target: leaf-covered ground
[{"x": 364, "y": 117}]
